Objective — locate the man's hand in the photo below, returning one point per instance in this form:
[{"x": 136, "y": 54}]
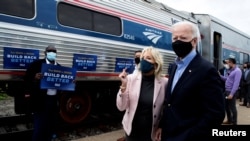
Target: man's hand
[
  {"x": 38, "y": 76},
  {"x": 158, "y": 134},
  {"x": 229, "y": 96},
  {"x": 26, "y": 94}
]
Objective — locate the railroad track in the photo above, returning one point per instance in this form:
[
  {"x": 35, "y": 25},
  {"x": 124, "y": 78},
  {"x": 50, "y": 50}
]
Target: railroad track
[
  {"x": 21, "y": 127},
  {"x": 93, "y": 125},
  {"x": 16, "y": 127}
]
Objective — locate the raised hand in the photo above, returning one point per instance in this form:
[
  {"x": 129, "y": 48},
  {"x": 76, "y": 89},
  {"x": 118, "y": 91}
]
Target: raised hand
[{"x": 123, "y": 77}]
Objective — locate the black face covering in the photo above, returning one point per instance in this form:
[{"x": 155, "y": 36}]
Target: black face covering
[
  {"x": 248, "y": 65},
  {"x": 137, "y": 60},
  {"x": 181, "y": 48}
]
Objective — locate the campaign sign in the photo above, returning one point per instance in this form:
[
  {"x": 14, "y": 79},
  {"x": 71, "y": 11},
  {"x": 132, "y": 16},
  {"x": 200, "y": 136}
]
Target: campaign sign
[
  {"x": 84, "y": 62},
  {"x": 58, "y": 77},
  {"x": 122, "y": 63},
  {"x": 17, "y": 58}
]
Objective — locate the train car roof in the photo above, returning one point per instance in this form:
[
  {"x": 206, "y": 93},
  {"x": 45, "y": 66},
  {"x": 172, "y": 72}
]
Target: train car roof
[
  {"x": 222, "y": 23},
  {"x": 171, "y": 10}
]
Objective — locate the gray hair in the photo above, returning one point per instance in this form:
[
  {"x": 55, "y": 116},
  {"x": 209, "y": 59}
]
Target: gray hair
[{"x": 194, "y": 29}]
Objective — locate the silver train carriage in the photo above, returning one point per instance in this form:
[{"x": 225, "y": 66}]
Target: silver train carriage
[{"x": 221, "y": 41}]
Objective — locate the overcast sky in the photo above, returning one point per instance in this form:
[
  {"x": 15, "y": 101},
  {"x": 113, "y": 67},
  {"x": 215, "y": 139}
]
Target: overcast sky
[{"x": 234, "y": 12}]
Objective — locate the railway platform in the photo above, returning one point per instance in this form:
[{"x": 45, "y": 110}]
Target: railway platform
[{"x": 243, "y": 119}]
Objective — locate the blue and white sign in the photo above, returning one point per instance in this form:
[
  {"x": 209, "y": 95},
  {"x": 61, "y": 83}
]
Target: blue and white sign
[
  {"x": 122, "y": 63},
  {"x": 58, "y": 77},
  {"x": 84, "y": 62},
  {"x": 17, "y": 58}
]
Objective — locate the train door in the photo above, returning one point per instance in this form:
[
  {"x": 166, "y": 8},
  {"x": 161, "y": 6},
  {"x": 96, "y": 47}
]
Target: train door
[{"x": 217, "y": 49}]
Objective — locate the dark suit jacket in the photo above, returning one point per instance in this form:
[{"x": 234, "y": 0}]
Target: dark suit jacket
[
  {"x": 247, "y": 85},
  {"x": 242, "y": 86},
  {"x": 32, "y": 86},
  {"x": 195, "y": 105}
]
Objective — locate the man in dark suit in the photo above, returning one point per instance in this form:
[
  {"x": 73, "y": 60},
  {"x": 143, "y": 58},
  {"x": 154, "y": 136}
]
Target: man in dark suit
[
  {"x": 44, "y": 101},
  {"x": 194, "y": 103},
  {"x": 246, "y": 85},
  {"x": 243, "y": 86}
]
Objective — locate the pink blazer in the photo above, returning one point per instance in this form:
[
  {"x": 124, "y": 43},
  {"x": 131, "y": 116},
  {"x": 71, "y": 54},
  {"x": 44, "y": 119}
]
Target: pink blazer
[{"x": 129, "y": 99}]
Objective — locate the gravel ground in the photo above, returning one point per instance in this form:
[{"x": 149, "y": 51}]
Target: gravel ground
[
  {"x": 7, "y": 107},
  {"x": 86, "y": 132}
]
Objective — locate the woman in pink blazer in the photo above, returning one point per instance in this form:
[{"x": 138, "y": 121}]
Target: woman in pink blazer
[{"x": 142, "y": 95}]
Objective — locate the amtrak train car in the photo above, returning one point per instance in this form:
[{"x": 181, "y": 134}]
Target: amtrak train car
[
  {"x": 98, "y": 38},
  {"x": 221, "y": 41}
]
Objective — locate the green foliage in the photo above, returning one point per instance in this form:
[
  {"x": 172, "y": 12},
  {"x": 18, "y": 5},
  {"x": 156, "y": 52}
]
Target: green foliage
[{"x": 4, "y": 96}]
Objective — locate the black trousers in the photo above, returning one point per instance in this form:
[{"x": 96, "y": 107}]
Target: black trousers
[
  {"x": 248, "y": 95},
  {"x": 231, "y": 110},
  {"x": 139, "y": 137},
  {"x": 141, "y": 130},
  {"x": 243, "y": 93},
  {"x": 45, "y": 121}
]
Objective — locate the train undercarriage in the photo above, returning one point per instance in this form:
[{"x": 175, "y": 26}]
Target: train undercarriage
[{"x": 89, "y": 98}]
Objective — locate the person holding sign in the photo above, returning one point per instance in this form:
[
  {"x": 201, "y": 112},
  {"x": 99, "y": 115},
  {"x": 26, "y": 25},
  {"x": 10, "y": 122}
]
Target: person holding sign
[
  {"x": 44, "y": 101},
  {"x": 142, "y": 95}
]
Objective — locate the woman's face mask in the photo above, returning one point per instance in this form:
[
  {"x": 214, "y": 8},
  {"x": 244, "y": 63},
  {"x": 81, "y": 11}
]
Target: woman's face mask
[{"x": 146, "y": 66}]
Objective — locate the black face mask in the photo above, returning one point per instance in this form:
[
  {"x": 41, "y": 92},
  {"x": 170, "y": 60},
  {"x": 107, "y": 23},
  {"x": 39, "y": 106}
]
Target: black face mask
[
  {"x": 137, "y": 60},
  {"x": 146, "y": 66},
  {"x": 248, "y": 66},
  {"x": 181, "y": 48}
]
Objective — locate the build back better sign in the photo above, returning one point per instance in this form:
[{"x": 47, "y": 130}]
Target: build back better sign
[
  {"x": 58, "y": 77},
  {"x": 122, "y": 63},
  {"x": 83, "y": 62},
  {"x": 19, "y": 58}
]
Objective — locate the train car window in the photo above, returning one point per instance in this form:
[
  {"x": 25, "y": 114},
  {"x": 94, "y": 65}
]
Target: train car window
[
  {"x": 244, "y": 58},
  {"x": 241, "y": 58},
  {"x": 19, "y": 8},
  {"x": 79, "y": 17},
  {"x": 107, "y": 24},
  {"x": 74, "y": 16}
]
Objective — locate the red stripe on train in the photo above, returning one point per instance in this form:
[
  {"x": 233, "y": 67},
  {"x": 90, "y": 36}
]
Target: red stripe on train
[
  {"x": 122, "y": 15},
  {"x": 12, "y": 72},
  {"x": 79, "y": 74}
]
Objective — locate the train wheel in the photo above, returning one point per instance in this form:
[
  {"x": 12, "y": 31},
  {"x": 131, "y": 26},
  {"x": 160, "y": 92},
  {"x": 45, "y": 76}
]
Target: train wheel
[{"x": 74, "y": 108}]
